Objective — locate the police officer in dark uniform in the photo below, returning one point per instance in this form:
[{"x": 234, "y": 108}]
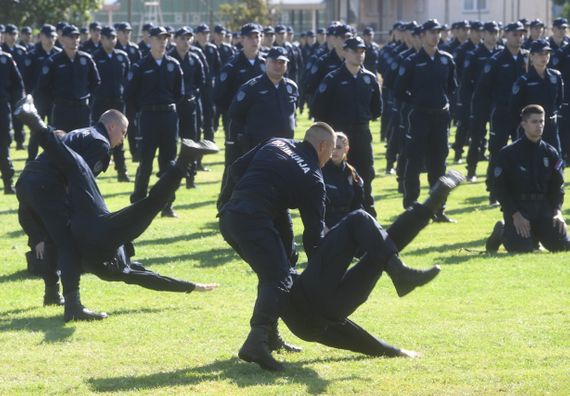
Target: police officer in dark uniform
[
  {"x": 529, "y": 184},
  {"x": 264, "y": 107},
  {"x": 246, "y": 65},
  {"x": 561, "y": 61},
  {"x": 463, "y": 109},
  {"x": 20, "y": 55},
  {"x": 94, "y": 42},
  {"x": 495, "y": 86},
  {"x": 267, "y": 40},
  {"x": 329, "y": 61},
  {"x": 144, "y": 44},
  {"x": 44, "y": 211},
  {"x": 536, "y": 31},
  {"x": 472, "y": 69},
  {"x": 69, "y": 78},
  {"x": 59, "y": 30},
  {"x": 559, "y": 39},
  {"x": 113, "y": 66},
  {"x": 308, "y": 47},
  {"x": 297, "y": 55},
  {"x": 543, "y": 86},
  {"x": 11, "y": 90},
  {"x": 124, "y": 43},
  {"x": 99, "y": 235},
  {"x": 332, "y": 286},
  {"x": 41, "y": 51},
  {"x": 429, "y": 78},
  {"x": 345, "y": 188},
  {"x": 155, "y": 85},
  {"x": 225, "y": 50},
  {"x": 371, "y": 58},
  {"x": 268, "y": 180},
  {"x": 83, "y": 35},
  {"x": 194, "y": 80},
  {"x": 26, "y": 38},
  {"x": 202, "y": 41},
  {"x": 348, "y": 99}
]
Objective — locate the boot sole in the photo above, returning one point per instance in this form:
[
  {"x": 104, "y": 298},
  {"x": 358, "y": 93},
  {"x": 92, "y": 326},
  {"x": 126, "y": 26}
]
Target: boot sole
[{"x": 250, "y": 359}]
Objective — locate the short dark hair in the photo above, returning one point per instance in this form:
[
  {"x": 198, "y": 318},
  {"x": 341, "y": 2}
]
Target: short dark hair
[{"x": 529, "y": 110}]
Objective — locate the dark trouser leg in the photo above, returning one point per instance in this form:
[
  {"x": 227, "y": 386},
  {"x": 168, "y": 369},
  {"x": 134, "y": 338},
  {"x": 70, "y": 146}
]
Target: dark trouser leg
[
  {"x": 385, "y": 118},
  {"x": 19, "y": 134},
  {"x": 149, "y": 130},
  {"x": 133, "y": 132},
  {"x": 416, "y": 143},
  {"x": 549, "y": 235},
  {"x": 6, "y": 166},
  {"x": 334, "y": 291},
  {"x": 437, "y": 149},
  {"x": 119, "y": 159},
  {"x": 167, "y": 146},
  {"x": 478, "y": 131},
  {"x": 207, "y": 101},
  {"x": 69, "y": 117},
  {"x": 350, "y": 336},
  {"x": 44, "y": 111},
  {"x": 360, "y": 156},
  {"x": 513, "y": 242},
  {"x": 394, "y": 141},
  {"x": 564, "y": 131},
  {"x": 461, "y": 134},
  {"x": 259, "y": 244},
  {"x": 408, "y": 225},
  {"x": 186, "y": 109},
  {"x": 101, "y": 237}
]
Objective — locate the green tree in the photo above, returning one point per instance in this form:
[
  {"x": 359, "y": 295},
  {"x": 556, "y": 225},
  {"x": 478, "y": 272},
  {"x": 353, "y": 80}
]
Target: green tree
[
  {"x": 38, "y": 12},
  {"x": 241, "y": 12}
]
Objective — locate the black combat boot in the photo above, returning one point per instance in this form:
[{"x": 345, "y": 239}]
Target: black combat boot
[
  {"x": 277, "y": 343},
  {"x": 440, "y": 190},
  {"x": 406, "y": 279},
  {"x": 74, "y": 310},
  {"x": 26, "y": 112},
  {"x": 9, "y": 187},
  {"x": 496, "y": 238},
  {"x": 52, "y": 295},
  {"x": 123, "y": 177},
  {"x": 256, "y": 349}
]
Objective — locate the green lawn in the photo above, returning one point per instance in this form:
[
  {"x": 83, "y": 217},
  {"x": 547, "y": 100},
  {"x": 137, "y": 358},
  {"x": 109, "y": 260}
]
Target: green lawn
[{"x": 489, "y": 324}]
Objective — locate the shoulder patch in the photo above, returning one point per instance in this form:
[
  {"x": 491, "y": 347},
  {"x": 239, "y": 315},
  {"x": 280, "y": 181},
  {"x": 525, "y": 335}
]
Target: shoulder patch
[
  {"x": 498, "y": 171},
  {"x": 240, "y": 95},
  {"x": 553, "y": 79},
  {"x": 170, "y": 67},
  {"x": 130, "y": 75},
  {"x": 466, "y": 63},
  {"x": 83, "y": 61},
  {"x": 322, "y": 87},
  {"x": 402, "y": 71},
  {"x": 289, "y": 89},
  {"x": 444, "y": 60},
  {"x": 394, "y": 65},
  {"x": 546, "y": 162},
  {"x": 314, "y": 69},
  {"x": 366, "y": 79},
  {"x": 487, "y": 68},
  {"x": 516, "y": 88},
  {"x": 223, "y": 76},
  {"x": 3, "y": 60},
  {"x": 45, "y": 70}
]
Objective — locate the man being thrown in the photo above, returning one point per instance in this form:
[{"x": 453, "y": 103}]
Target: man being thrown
[
  {"x": 529, "y": 180},
  {"x": 99, "y": 234},
  {"x": 328, "y": 291}
]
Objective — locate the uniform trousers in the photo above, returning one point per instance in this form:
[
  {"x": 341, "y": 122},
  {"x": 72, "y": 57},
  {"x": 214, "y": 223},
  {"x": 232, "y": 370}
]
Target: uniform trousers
[
  {"x": 564, "y": 131},
  {"x": 6, "y": 166},
  {"x": 360, "y": 156},
  {"x": 541, "y": 229},
  {"x": 44, "y": 108},
  {"x": 426, "y": 142},
  {"x": 69, "y": 115},
  {"x": 328, "y": 291}
]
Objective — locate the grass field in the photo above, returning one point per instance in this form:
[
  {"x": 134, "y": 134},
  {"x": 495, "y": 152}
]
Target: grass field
[{"x": 490, "y": 324}]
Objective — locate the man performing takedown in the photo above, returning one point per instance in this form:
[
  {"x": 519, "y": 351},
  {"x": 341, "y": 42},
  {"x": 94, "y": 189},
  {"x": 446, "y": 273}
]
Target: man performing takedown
[
  {"x": 328, "y": 291},
  {"x": 262, "y": 184},
  {"x": 100, "y": 234}
]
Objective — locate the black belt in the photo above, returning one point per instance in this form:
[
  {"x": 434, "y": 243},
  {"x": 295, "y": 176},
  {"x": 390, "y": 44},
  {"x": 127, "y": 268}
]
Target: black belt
[
  {"x": 532, "y": 197},
  {"x": 71, "y": 102},
  {"x": 428, "y": 110},
  {"x": 159, "y": 107}
]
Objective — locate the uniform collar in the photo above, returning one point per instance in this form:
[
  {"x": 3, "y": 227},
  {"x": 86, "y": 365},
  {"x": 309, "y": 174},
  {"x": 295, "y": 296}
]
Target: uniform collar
[
  {"x": 533, "y": 74},
  {"x": 103, "y": 131}
]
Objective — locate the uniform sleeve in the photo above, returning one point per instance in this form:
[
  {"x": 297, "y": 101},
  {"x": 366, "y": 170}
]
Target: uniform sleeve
[
  {"x": 313, "y": 214},
  {"x": 483, "y": 88},
  {"x": 314, "y": 77},
  {"x": 376, "y": 104},
  {"x": 517, "y": 98},
  {"x": 200, "y": 76},
  {"x": 556, "y": 186},
  {"x": 320, "y": 99},
  {"x": 94, "y": 79},
  {"x": 222, "y": 90},
  {"x": 32, "y": 226},
  {"x": 403, "y": 82},
  {"x": 178, "y": 91},
  {"x": 17, "y": 83},
  {"x": 133, "y": 87},
  {"x": 241, "y": 104},
  {"x": 559, "y": 93},
  {"x": 452, "y": 80},
  {"x": 97, "y": 156},
  {"x": 501, "y": 184},
  {"x": 466, "y": 84}
]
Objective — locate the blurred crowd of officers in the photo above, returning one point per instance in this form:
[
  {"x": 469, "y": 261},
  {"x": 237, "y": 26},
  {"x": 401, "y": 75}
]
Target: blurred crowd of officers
[{"x": 189, "y": 83}]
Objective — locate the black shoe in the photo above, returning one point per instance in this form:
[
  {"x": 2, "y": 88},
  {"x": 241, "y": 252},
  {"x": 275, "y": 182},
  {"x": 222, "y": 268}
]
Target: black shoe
[
  {"x": 202, "y": 168},
  {"x": 190, "y": 183},
  {"x": 493, "y": 202},
  {"x": 496, "y": 238},
  {"x": 53, "y": 297},
  {"x": 168, "y": 212},
  {"x": 406, "y": 279},
  {"x": 190, "y": 151},
  {"x": 277, "y": 343},
  {"x": 74, "y": 310},
  {"x": 443, "y": 218},
  {"x": 26, "y": 112},
  {"x": 440, "y": 190},
  {"x": 123, "y": 177},
  {"x": 256, "y": 350},
  {"x": 9, "y": 189}
]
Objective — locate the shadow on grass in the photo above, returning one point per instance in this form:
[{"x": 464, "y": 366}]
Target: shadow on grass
[
  {"x": 53, "y": 327},
  {"x": 8, "y": 212},
  {"x": 233, "y": 370},
  {"x": 193, "y": 205},
  {"x": 208, "y": 258},
  {"x": 18, "y": 275},
  {"x": 445, "y": 248},
  {"x": 209, "y": 229},
  {"x": 15, "y": 233},
  {"x": 117, "y": 194}
]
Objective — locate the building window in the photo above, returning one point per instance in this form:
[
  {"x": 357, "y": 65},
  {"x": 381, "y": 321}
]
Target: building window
[{"x": 474, "y": 5}]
